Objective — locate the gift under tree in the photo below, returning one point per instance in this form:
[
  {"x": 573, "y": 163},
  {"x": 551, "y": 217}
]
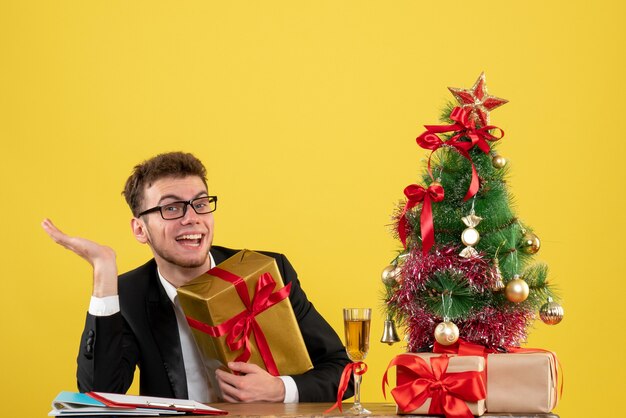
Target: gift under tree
[{"x": 466, "y": 271}]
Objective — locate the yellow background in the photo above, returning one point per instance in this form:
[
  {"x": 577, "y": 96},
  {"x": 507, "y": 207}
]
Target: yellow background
[{"x": 305, "y": 113}]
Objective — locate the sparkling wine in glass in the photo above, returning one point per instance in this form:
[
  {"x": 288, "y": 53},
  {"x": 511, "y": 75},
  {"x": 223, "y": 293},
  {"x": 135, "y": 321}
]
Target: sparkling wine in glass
[{"x": 356, "y": 323}]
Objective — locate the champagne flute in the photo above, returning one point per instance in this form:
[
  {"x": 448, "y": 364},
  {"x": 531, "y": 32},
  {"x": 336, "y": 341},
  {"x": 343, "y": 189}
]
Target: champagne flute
[{"x": 356, "y": 323}]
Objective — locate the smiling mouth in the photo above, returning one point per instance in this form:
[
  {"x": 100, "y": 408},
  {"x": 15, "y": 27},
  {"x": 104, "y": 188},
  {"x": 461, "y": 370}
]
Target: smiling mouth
[{"x": 190, "y": 240}]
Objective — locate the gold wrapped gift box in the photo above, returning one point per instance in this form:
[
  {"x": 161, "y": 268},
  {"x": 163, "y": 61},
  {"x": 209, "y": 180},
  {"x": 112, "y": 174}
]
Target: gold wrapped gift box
[
  {"x": 521, "y": 382},
  {"x": 456, "y": 364},
  {"x": 212, "y": 301}
]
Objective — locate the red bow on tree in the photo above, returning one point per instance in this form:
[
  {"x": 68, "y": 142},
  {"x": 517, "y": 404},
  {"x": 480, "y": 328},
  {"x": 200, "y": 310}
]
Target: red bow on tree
[
  {"x": 464, "y": 127},
  {"x": 416, "y": 194}
]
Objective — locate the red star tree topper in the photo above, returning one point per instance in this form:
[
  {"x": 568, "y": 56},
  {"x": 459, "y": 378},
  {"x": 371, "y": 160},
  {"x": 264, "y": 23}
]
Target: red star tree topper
[{"x": 477, "y": 100}]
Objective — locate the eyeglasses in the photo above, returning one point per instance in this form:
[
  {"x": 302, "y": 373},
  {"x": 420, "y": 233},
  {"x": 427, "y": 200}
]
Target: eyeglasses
[{"x": 178, "y": 209}]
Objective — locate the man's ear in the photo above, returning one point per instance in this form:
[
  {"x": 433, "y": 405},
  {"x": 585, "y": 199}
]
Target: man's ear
[{"x": 139, "y": 230}]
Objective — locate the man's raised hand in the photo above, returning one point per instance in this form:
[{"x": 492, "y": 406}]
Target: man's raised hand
[{"x": 102, "y": 258}]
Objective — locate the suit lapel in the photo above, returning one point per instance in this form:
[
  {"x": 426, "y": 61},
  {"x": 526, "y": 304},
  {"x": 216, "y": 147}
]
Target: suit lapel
[
  {"x": 164, "y": 328},
  {"x": 220, "y": 254}
]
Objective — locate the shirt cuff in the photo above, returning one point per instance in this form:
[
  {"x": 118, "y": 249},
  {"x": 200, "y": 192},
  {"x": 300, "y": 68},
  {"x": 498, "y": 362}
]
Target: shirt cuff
[
  {"x": 291, "y": 390},
  {"x": 105, "y": 306}
]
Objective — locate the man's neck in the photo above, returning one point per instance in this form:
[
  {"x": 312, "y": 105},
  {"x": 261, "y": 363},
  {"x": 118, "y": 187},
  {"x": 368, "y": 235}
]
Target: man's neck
[{"x": 179, "y": 276}]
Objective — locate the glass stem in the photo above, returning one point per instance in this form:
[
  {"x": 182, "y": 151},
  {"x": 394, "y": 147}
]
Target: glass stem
[{"x": 357, "y": 390}]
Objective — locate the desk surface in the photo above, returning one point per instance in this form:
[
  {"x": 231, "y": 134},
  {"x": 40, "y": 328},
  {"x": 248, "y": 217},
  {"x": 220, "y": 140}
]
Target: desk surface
[{"x": 316, "y": 410}]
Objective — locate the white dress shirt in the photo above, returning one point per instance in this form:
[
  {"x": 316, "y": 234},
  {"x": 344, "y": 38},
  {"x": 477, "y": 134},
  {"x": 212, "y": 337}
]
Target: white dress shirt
[{"x": 201, "y": 381}]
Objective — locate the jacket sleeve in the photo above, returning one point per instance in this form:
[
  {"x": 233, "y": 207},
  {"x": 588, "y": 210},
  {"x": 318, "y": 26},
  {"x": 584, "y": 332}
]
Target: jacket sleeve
[
  {"x": 107, "y": 355},
  {"x": 323, "y": 344}
]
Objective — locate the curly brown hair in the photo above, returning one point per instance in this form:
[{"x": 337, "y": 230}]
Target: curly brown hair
[{"x": 171, "y": 164}]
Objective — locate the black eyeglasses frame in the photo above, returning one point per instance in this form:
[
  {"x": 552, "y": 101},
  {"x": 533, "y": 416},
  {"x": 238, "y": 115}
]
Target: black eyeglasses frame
[{"x": 212, "y": 199}]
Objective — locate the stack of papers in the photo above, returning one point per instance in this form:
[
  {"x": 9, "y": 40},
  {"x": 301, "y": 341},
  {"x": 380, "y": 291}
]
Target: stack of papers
[{"x": 99, "y": 403}]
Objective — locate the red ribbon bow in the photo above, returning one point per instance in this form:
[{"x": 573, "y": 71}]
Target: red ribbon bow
[
  {"x": 238, "y": 328},
  {"x": 464, "y": 127},
  {"x": 358, "y": 369},
  {"x": 448, "y": 391},
  {"x": 416, "y": 194}
]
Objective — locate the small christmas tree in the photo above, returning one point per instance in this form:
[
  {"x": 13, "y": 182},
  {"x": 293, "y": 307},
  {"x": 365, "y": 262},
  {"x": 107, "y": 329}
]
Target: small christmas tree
[{"x": 466, "y": 268}]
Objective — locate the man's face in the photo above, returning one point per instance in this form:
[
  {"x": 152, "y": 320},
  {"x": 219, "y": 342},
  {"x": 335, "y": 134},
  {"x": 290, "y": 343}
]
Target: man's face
[{"x": 183, "y": 242}]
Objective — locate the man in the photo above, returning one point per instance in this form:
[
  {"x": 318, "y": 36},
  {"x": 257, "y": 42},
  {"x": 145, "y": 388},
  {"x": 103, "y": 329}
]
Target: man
[{"x": 136, "y": 320}]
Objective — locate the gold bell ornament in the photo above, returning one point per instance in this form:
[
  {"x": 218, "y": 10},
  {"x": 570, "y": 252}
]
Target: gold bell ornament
[
  {"x": 516, "y": 290},
  {"x": 390, "y": 335},
  {"x": 551, "y": 313}
]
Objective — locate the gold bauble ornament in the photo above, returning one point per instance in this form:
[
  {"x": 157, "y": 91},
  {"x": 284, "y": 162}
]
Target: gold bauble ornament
[
  {"x": 390, "y": 274},
  {"x": 498, "y": 161},
  {"x": 516, "y": 290},
  {"x": 530, "y": 243},
  {"x": 446, "y": 333},
  {"x": 551, "y": 313}
]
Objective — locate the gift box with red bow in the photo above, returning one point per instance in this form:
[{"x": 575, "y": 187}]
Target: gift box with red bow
[
  {"x": 240, "y": 311},
  {"x": 522, "y": 380},
  {"x": 438, "y": 384}
]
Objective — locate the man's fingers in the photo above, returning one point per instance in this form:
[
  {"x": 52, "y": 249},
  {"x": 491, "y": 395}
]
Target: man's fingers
[
  {"x": 226, "y": 377},
  {"x": 71, "y": 243},
  {"x": 254, "y": 384},
  {"x": 229, "y": 392},
  {"x": 89, "y": 250},
  {"x": 60, "y": 238},
  {"x": 227, "y": 383},
  {"x": 53, "y": 231},
  {"x": 229, "y": 398},
  {"x": 245, "y": 368}
]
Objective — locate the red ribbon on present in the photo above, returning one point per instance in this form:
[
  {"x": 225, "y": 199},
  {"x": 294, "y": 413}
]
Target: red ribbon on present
[
  {"x": 448, "y": 391},
  {"x": 416, "y": 194},
  {"x": 238, "y": 328},
  {"x": 358, "y": 369},
  {"x": 462, "y": 348},
  {"x": 464, "y": 127}
]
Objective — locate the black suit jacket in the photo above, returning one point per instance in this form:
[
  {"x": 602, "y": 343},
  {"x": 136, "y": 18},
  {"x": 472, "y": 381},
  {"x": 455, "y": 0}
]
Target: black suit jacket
[{"x": 145, "y": 333}]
